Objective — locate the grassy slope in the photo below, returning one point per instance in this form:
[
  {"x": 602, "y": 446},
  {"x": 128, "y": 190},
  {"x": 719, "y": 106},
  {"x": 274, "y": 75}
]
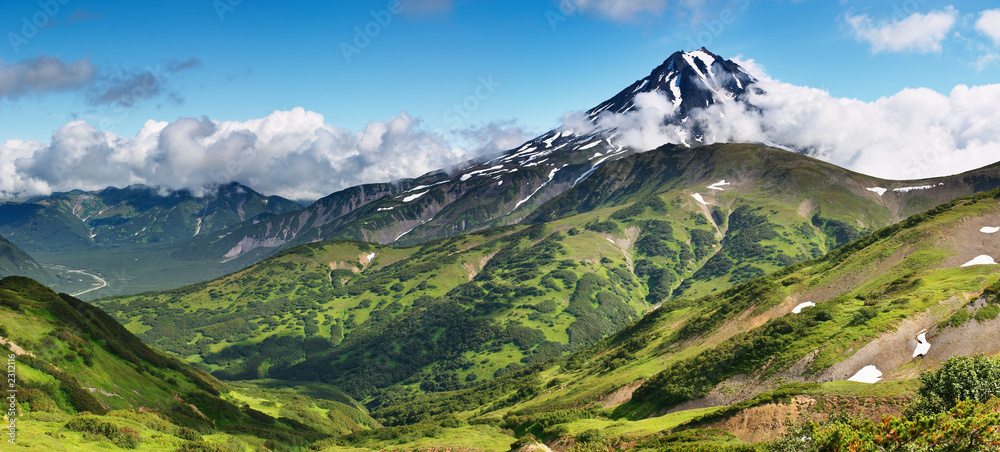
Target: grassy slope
[
  {"x": 313, "y": 293},
  {"x": 73, "y": 358},
  {"x": 869, "y": 288},
  {"x": 318, "y": 295}
]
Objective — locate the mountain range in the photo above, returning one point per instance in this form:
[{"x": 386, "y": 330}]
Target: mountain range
[
  {"x": 137, "y": 239},
  {"x": 571, "y": 291}
]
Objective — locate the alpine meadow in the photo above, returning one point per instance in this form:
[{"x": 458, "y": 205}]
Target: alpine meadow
[{"x": 710, "y": 259}]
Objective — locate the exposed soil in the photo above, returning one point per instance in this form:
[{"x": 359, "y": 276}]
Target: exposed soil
[
  {"x": 886, "y": 352},
  {"x": 766, "y": 422},
  {"x": 967, "y": 242},
  {"x": 970, "y": 338},
  {"x": 770, "y": 421},
  {"x": 15, "y": 348},
  {"x": 534, "y": 447},
  {"x": 473, "y": 270},
  {"x": 807, "y": 208},
  {"x": 620, "y": 395}
]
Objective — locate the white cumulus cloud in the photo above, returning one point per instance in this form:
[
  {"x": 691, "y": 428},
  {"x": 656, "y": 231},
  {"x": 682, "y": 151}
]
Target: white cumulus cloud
[
  {"x": 294, "y": 154},
  {"x": 621, "y": 9},
  {"x": 989, "y": 24},
  {"x": 922, "y": 33}
]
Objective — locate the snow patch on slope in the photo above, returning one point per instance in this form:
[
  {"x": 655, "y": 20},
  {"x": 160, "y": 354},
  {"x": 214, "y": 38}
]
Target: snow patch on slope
[
  {"x": 868, "y": 374},
  {"x": 909, "y": 189},
  {"x": 980, "y": 260},
  {"x": 922, "y": 345},
  {"x": 718, "y": 185},
  {"x": 798, "y": 309},
  {"x": 414, "y": 197},
  {"x": 552, "y": 175}
]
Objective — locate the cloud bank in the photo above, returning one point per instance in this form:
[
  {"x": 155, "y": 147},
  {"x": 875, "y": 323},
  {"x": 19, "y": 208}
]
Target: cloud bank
[
  {"x": 913, "y": 134},
  {"x": 294, "y": 154}
]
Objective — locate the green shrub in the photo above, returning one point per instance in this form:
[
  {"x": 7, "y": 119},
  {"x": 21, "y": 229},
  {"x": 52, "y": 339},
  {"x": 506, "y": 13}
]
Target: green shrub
[
  {"x": 958, "y": 318},
  {"x": 590, "y": 436},
  {"x": 959, "y": 378},
  {"x": 989, "y": 312},
  {"x": 189, "y": 434},
  {"x": 124, "y": 437},
  {"x": 863, "y": 315},
  {"x": 201, "y": 446},
  {"x": 606, "y": 227}
]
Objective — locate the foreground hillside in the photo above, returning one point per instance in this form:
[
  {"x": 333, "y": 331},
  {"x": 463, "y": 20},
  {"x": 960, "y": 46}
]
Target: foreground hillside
[
  {"x": 82, "y": 382},
  {"x": 743, "y": 361}
]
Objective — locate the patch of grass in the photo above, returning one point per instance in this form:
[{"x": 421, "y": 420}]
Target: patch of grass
[{"x": 988, "y": 312}]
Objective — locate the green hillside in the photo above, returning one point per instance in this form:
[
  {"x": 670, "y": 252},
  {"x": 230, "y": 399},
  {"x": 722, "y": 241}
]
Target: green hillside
[
  {"x": 83, "y": 382},
  {"x": 742, "y": 357},
  {"x": 367, "y": 317}
]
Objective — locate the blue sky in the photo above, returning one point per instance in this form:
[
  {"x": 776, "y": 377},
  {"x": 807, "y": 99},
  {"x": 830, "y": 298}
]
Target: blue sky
[{"x": 118, "y": 64}]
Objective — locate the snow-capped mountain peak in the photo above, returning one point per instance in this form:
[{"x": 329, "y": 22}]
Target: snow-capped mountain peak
[{"x": 689, "y": 80}]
